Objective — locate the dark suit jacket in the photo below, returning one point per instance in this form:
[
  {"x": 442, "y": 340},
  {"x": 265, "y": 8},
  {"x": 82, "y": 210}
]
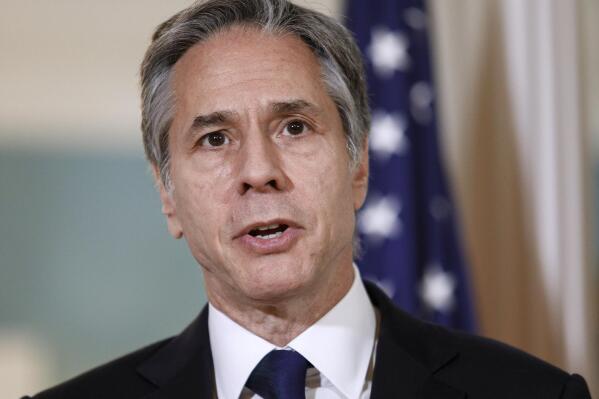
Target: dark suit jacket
[{"x": 413, "y": 360}]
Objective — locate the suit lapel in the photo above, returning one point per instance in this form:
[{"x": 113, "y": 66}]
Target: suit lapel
[
  {"x": 409, "y": 353},
  {"x": 183, "y": 368},
  {"x": 396, "y": 375}
]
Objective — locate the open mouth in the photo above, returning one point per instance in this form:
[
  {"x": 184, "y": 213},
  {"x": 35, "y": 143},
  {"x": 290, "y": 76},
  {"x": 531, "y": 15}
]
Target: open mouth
[{"x": 268, "y": 232}]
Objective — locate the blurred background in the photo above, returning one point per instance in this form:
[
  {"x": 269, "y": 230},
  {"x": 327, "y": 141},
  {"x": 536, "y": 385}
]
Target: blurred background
[{"x": 88, "y": 271}]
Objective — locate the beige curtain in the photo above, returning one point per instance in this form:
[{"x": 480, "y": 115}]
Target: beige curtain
[{"x": 516, "y": 144}]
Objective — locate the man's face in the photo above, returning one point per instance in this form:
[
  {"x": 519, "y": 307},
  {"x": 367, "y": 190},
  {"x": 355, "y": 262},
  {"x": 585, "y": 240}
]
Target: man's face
[{"x": 263, "y": 191}]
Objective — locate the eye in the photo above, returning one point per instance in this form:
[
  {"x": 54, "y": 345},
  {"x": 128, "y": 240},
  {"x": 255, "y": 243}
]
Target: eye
[
  {"x": 295, "y": 127},
  {"x": 214, "y": 139}
]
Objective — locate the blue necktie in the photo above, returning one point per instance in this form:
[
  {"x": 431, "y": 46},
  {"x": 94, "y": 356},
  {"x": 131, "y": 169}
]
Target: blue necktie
[{"x": 281, "y": 374}]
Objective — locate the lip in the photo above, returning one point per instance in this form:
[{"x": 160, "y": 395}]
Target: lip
[
  {"x": 252, "y": 226},
  {"x": 278, "y": 244}
]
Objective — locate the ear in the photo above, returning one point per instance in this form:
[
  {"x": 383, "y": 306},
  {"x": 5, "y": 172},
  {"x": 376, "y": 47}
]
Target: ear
[
  {"x": 169, "y": 210},
  {"x": 360, "y": 178}
]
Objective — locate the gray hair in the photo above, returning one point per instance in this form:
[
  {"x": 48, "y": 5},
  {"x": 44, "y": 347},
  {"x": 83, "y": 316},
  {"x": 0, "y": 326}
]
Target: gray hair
[{"x": 340, "y": 60}]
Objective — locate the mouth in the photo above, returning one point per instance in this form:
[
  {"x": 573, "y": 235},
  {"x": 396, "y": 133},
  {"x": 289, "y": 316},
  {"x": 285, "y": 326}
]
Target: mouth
[
  {"x": 269, "y": 232},
  {"x": 269, "y": 237}
]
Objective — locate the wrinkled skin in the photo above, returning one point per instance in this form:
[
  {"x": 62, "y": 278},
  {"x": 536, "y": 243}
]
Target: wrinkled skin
[{"x": 268, "y": 147}]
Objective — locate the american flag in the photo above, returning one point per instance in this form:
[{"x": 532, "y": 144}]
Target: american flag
[{"x": 408, "y": 223}]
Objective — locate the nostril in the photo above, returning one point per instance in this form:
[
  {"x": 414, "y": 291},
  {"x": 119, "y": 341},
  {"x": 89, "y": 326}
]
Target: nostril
[{"x": 272, "y": 184}]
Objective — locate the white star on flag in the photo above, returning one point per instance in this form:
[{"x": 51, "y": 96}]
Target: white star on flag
[
  {"x": 387, "y": 135},
  {"x": 388, "y": 52},
  {"x": 415, "y": 18},
  {"x": 440, "y": 208},
  {"x": 380, "y": 218},
  {"x": 421, "y": 99},
  {"x": 437, "y": 288}
]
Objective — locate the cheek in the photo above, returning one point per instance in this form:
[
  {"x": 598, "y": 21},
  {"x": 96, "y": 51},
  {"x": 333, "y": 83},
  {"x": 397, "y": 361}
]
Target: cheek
[
  {"x": 202, "y": 201},
  {"x": 206, "y": 180},
  {"x": 323, "y": 184}
]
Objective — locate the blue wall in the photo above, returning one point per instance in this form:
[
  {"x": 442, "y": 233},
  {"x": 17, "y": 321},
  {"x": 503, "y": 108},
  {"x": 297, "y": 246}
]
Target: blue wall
[{"x": 86, "y": 262}]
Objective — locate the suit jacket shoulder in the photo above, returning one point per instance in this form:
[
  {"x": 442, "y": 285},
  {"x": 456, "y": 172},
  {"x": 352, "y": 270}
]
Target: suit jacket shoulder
[
  {"x": 423, "y": 360},
  {"x": 118, "y": 378},
  {"x": 487, "y": 369},
  {"x": 177, "y": 367}
]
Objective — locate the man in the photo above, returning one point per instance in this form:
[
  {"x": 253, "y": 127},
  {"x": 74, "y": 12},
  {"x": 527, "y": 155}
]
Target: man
[{"x": 255, "y": 122}]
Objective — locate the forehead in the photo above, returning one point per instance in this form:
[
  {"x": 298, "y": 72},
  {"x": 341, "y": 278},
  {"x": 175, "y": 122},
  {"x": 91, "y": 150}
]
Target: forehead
[{"x": 242, "y": 66}]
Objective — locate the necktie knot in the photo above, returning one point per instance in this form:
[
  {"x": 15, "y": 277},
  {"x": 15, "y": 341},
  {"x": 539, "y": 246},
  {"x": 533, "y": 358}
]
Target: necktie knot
[{"x": 281, "y": 374}]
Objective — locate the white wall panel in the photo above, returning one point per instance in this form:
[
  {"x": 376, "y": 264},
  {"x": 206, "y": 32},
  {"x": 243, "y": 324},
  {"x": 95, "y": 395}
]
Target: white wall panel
[{"x": 69, "y": 70}]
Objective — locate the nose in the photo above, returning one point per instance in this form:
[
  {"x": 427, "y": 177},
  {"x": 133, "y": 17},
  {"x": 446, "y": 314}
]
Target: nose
[{"x": 260, "y": 166}]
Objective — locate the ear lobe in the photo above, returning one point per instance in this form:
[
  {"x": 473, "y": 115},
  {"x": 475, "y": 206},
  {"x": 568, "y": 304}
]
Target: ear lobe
[
  {"x": 169, "y": 209},
  {"x": 360, "y": 178}
]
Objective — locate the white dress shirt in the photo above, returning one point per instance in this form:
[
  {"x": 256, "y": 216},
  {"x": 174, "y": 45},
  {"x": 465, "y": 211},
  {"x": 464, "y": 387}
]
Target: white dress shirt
[{"x": 340, "y": 346}]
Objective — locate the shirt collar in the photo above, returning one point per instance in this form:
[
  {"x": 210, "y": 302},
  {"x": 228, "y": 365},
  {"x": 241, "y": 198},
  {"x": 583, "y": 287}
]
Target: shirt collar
[
  {"x": 339, "y": 345},
  {"x": 235, "y": 353}
]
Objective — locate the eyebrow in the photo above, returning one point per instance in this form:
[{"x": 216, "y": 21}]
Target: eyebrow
[
  {"x": 214, "y": 118},
  {"x": 288, "y": 107}
]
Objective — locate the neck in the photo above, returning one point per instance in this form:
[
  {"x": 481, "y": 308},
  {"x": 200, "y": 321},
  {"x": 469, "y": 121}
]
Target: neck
[{"x": 280, "y": 321}]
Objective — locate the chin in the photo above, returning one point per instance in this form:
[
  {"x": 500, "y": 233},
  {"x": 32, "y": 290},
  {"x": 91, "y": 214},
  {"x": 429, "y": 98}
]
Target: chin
[{"x": 275, "y": 286}]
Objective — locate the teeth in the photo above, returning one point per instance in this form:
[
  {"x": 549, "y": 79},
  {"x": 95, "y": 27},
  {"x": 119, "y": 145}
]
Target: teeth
[
  {"x": 272, "y": 226},
  {"x": 268, "y": 237}
]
